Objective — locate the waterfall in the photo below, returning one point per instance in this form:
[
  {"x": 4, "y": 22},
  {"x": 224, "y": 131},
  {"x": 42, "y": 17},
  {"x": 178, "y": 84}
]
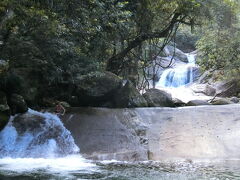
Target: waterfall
[
  {"x": 34, "y": 135},
  {"x": 180, "y": 75}
]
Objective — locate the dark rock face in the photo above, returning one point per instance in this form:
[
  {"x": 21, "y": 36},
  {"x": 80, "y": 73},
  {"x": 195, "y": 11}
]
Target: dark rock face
[
  {"x": 158, "y": 98},
  {"x": 209, "y": 90},
  {"x": 129, "y": 97},
  {"x": 4, "y": 110},
  {"x": 178, "y": 103},
  {"x": 4, "y": 65},
  {"x": 17, "y": 104},
  {"x": 96, "y": 88},
  {"x": 197, "y": 103},
  {"x": 102, "y": 134}
]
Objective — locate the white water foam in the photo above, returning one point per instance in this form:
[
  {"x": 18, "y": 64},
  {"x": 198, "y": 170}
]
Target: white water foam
[
  {"x": 35, "y": 135},
  {"x": 39, "y": 141},
  {"x": 180, "y": 75},
  {"x": 52, "y": 165}
]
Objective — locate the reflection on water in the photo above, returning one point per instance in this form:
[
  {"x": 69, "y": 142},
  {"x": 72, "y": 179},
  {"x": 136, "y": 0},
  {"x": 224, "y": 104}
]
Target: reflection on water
[{"x": 75, "y": 168}]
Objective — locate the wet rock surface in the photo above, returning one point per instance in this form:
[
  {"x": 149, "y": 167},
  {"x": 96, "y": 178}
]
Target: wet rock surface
[
  {"x": 221, "y": 101},
  {"x": 156, "y": 133},
  {"x": 158, "y": 98},
  {"x": 129, "y": 97},
  {"x": 197, "y": 103},
  {"x": 17, "y": 104},
  {"x": 107, "y": 133},
  {"x": 34, "y": 134}
]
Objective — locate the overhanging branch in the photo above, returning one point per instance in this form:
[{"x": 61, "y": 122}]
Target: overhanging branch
[{"x": 115, "y": 62}]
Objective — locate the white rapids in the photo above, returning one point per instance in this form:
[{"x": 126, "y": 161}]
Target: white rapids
[
  {"x": 39, "y": 141},
  {"x": 177, "y": 81}
]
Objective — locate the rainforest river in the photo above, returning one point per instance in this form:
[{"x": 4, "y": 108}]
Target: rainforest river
[{"x": 74, "y": 167}]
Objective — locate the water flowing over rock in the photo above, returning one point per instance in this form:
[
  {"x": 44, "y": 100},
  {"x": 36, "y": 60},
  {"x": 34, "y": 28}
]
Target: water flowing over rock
[
  {"x": 179, "y": 75},
  {"x": 35, "y": 135},
  {"x": 95, "y": 89}
]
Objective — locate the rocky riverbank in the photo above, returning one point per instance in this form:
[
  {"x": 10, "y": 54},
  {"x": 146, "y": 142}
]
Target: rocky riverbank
[{"x": 207, "y": 132}]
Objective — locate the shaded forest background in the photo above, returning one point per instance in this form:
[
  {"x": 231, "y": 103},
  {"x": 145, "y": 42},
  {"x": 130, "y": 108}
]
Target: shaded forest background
[{"x": 48, "y": 43}]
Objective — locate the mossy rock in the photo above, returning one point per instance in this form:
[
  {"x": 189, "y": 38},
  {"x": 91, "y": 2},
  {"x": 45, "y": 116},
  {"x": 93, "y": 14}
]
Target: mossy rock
[
  {"x": 4, "y": 118},
  {"x": 97, "y": 88},
  {"x": 129, "y": 97},
  {"x": 158, "y": 98}
]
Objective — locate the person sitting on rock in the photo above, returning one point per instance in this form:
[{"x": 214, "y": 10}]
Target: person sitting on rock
[{"x": 59, "y": 109}]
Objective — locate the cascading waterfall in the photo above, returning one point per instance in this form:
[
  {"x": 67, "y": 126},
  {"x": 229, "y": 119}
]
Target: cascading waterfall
[
  {"x": 180, "y": 75},
  {"x": 39, "y": 142},
  {"x": 36, "y": 135}
]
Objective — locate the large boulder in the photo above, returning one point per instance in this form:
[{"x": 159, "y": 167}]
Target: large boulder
[
  {"x": 158, "y": 98},
  {"x": 4, "y": 110},
  {"x": 96, "y": 88},
  {"x": 178, "y": 103},
  {"x": 197, "y": 103},
  {"x": 17, "y": 104},
  {"x": 129, "y": 97},
  {"x": 177, "y": 53},
  {"x": 234, "y": 99},
  {"x": 204, "y": 89},
  {"x": 228, "y": 88},
  {"x": 221, "y": 101},
  {"x": 28, "y": 122}
]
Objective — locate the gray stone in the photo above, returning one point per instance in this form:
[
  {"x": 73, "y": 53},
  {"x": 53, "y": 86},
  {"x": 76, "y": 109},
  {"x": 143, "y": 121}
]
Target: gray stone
[
  {"x": 129, "y": 97},
  {"x": 177, "y": 53},
  {"x": 106, "y": 134},
  {"x": 178, "y": 102},
  {"x": 96, "y": 88},
  {"x": 197, "y": 103},
  {"x": 228, "y": 88},
  {"x": 195, "y": 133},
  {"x": 221, "y": 101},
  {"x": 234, "y": 99},
  {"x": 158, "y": 98}
]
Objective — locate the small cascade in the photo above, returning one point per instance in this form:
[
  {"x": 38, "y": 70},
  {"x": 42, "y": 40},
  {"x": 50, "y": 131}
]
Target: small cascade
[
  {"x": 180, "y": 75},
  {"x": 36, "y": 135}
]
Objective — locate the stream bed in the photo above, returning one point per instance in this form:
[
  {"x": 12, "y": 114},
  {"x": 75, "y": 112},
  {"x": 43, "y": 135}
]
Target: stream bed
[{"x": 75, "y": 167}]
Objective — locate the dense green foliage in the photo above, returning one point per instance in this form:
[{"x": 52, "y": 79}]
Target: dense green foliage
[
  {"x": 220, "y": 40},
  {"x": 55, "y": 40},
  {"x": 80, "y": 36}
]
